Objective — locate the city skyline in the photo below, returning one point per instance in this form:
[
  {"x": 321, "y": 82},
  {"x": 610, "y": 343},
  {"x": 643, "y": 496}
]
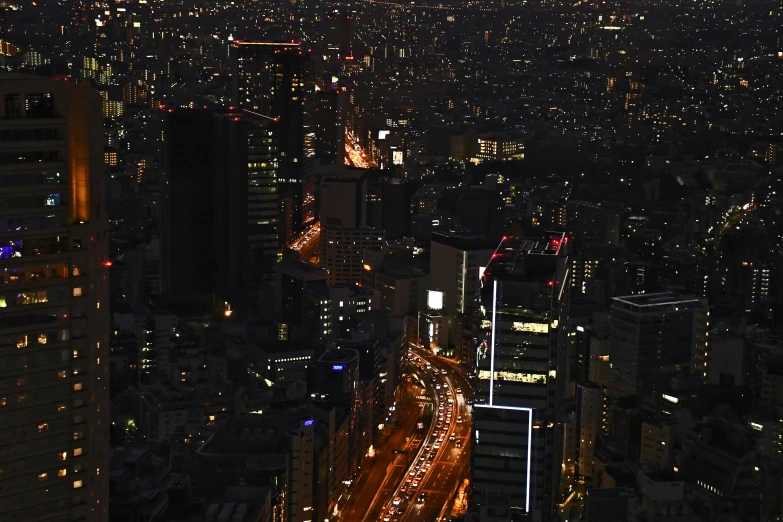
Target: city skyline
[{"x": 377, "y": 261}]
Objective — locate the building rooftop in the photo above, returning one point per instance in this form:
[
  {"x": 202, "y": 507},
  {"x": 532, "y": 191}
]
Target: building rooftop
[
  {"x": 265, "y": 437},
  {"x": 463, "y": 242},
  {"x": 610, "y": 493},
  {"x": 339, "y": 355},
  {"x": 658, "y": 302},
  {"x": 528, "y": 259}
]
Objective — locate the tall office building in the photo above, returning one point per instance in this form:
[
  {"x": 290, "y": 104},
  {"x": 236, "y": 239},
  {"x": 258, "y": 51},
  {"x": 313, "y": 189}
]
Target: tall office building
[
  {"x": 276, "y": 79},
  {"x": 460, "y": 261},
  {"x": 220, "y": 190},
  {"x": 345, "y": 238},
  {"x": 592, "y": 419},
  {"x": 654, "y": 337},
  {"x": 329, "y": 126},
  {"x": 54, "y": 359},
  {"x": 338, "y": 35},
  {"x": 522, "y": 309}
]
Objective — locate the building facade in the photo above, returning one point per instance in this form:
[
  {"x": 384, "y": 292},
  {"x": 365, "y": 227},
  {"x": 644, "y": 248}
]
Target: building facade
[
  {"x": 654, "y": 337},
  {"x": 516, "y": 454},
  {"x": 276, "y": 79},
  {"x": 54, "y": 358}
]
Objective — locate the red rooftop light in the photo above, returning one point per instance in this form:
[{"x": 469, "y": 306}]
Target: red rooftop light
[
  {"x": 107, "y": 263},
  {"x": 551, "y": 283}
]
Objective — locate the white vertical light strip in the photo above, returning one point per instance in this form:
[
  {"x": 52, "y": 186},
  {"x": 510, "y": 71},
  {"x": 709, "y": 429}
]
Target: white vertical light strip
[
  {"x": 492, "y": 343},
  {"x": 529, "y": 454}
]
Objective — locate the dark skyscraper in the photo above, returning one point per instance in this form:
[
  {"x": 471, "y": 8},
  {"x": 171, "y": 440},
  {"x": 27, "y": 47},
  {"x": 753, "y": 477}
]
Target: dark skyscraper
[
  {"x": 275, "y": 79},
  {"x": 54, "y": 324},
  {"x": 329, "y": 126},
  {"x": 338, "y": 35},
  {"x": 220, "y": 208},
  {"x": 521, "y": 366}
]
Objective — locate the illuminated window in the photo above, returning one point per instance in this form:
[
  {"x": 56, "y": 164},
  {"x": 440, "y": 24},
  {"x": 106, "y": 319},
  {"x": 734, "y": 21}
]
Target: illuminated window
[
  {"x": 77, "y": 451},
  {"x": 77, "y": 292},
  {"x": 77, "y": 484},
  {"x": 43, "y": 427},
  {"x": 77, "y": 386},
  {"x": 21, "y": 341},
  {"x": 42, "y": 476},
  {"x": 26, "y": 298},
  {"x": 63, "y": 455},
  {"x": 42, "y": 338},
  {"x": 62, "y": 374},
  {"x": 62, "y": 472}
]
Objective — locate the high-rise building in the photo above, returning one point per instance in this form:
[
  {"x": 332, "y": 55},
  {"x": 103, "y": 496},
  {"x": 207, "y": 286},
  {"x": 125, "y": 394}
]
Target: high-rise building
[
  {"x": 654, "y": 337},
  {"x": 338, "y": 35},
  {"x": 54, "y": 360},
  {"x": 329, "y": 126},
  {"x": 590, "y": 400},
  {"x": 343, "y": 250},
  {"x": 343, "y": 201},
  {"x": 388, "y": 206},
  {"x": 220, "y": 190},
  {"x": 344, "y": 235},
  {"x": 460, "y": 260},
  {"x": 293, "y": 280},
  {"x": 521, "y": 358},
  {"x": 598, "y": 222},
  {"x": 275, "y": 79}
]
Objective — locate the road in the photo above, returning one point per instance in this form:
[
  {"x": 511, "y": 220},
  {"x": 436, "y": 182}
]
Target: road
[
  {"x": 307, "y": 243},
  {"x": 354, "y": 155},
  {"x": 380, "y": 477},
  {"x": 435, "y": 474},
  {"x": 451, "y": 465}
]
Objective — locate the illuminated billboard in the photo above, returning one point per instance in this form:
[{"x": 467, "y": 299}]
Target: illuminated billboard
[
  {"x": 434, "y": 300},
  {"x": 541, "y": 328},
  {"x": 382, "y": 134},
  {"x": 397, "y": 157}
]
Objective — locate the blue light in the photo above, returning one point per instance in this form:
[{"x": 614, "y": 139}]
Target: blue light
[
  {"x": 308, "y": 423},
  {"x": 337, "y": 367}
]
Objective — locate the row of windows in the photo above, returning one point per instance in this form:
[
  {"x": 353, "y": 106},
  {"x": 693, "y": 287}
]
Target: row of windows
[
  {"x": 11, "y": 224},
  {"x": 17, "y": 341},
  {"x": 54, "y": 425},
  {"x": 29, "y": 156},
  {"x": 49, "y": 295},
  {"x": 33, "y": 105},
  {"x": 31, "y": 380},
  {"x": 25, "y": 274},
  {"x": 33, "y": 247},
  {"x": 32, "y": 201},
  {"x": 28, "y": 361},
  {"x": 31, "y": 179},
  {"x": 40, "y": 445},
  {"x": 37, "y": 134}
]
